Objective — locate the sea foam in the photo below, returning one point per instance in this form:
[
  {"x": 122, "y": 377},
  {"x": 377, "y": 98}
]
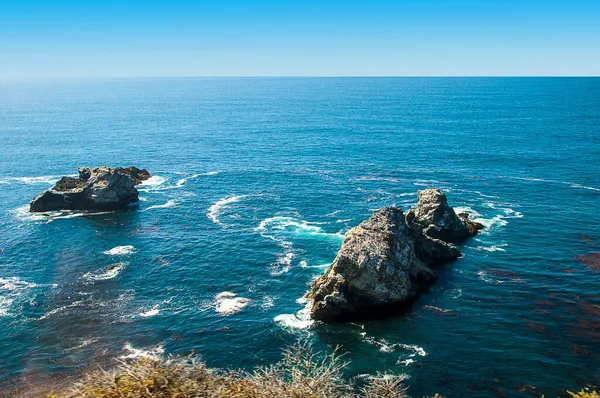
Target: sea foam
[
  {"x": 217, "y": 208},
  {"x": 120, "y": 250},
  {"x": 227, "y": 303}
]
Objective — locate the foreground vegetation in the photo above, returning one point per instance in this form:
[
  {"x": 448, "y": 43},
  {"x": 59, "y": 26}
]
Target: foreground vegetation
[{"x": 301, "y": 374}]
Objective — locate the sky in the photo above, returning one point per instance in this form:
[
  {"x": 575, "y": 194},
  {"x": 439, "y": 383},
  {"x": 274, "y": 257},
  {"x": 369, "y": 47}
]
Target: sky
[{"x": 85, "y": 39}]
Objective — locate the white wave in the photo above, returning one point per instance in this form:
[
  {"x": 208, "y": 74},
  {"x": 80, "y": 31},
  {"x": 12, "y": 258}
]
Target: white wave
[
  {"x": 209, "y": 173},
  {"x": 491, "y": 248},
  {"x": 466, "y": 209},
  {"x": 304, "y": 264},
  {"x": 227, "y": 303},
  {"x": 406, "y": 362},
  {"x": 484, "y": 277},
  {"x": 153, "y": 181},
  {"x": 374, "y": 178},
  {"x": 170, "y": 203},
  {"x": 5, "y": 305},
  {"x": 39, "y": 180},
  {"x": 490, "y": 224},
  {"x": 120, "y": 250},
  {"x": 384, "y": 346},
  {"x": 22, "y": 214},
  {"x": 415, "y": 349},
  {"x": 110, "y": 273},
  {"x": 293, "y": 226},
  {"x": 155, "y": 310},
  {"x": 530, "y": 179},
  {"x": 584, "y": 187},
  {"x": 83, "y": 344},
  {"x": 60, "y": 309},
  {"x": 13, "y": 283},
  {"x": 299, "y": 320},
  {"x": 283, "y": 264},
  {"x": 570, "y": 184},
  {"x": 217, "y": 208},
  {"x": 134, "y": 353},
  {"x": 267, "y": 303},
  {"x": 13, "y": 289},
  {"x": 345, "y": 220},
  {"x": 75, "y": 214}
]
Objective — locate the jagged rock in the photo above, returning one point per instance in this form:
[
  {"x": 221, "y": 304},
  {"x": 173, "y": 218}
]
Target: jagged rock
[
  {"x": 473, "y": 226},
  {"x": 99, "y": 188},
  {"x": 376, "y": 266},
  {"x": 387, "y": 260},
  {"x": 439, "y": 220},
  {"x": 138, "y": 175}
]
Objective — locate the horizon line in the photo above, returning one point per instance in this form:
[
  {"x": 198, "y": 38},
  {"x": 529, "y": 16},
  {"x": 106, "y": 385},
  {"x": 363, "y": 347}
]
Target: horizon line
[{"x": 63, "y": 78}]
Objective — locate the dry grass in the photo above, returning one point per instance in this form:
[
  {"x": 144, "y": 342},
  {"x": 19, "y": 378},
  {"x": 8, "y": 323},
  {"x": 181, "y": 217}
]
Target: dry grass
[{"x": 301, "y": 374}]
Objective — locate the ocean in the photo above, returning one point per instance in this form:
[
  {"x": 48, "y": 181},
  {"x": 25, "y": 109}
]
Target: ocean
[{"x": 256, "y": 180}]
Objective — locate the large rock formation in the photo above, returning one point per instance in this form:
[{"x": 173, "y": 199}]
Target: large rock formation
[
  {"x": 98, "y": 188},
  {"x": 389, "y": 259}
]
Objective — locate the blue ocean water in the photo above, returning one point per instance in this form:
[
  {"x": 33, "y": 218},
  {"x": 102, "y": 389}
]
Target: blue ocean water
[{"x": 256, "y": 181}]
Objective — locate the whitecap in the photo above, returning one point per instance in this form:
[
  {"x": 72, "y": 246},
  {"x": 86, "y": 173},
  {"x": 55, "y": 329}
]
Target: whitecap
[
  {"x": 22, "y": 213},
  {"x": 415, "y": 349},
  {"x": 304, "y": 264},
  {"x": 484, "y": 277},
  {"x": 155, "y": 310},
  {"x": 217, "y": 208},
  {"x": 283, "y": 264},
  {"x": 170, "y": 203},
  {"x": 39, "y": 180},
  {"x": 14, "y": 283},
  {"x": 491, "y": 248},
  {"x": 60, "y": 309},
  {"x": 109, "y": 273},
  {"x": 267, "y": 303},
  {"x": 134, "y": 353},
  {"x": 300, "y": 320},
  {"x": 5, "y": 304},
  {"x": 153, "y": 181},
  {"x": 120, "y": 250},
  {"x": 13, "y": 290},
  {"x": 584, "y": 187},
  {"x": 272, "y": 226},
  {"x": 227, "y": 303}
]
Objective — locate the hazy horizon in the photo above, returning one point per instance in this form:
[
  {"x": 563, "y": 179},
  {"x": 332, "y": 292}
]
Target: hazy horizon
[{"x": 61, "y": 39}]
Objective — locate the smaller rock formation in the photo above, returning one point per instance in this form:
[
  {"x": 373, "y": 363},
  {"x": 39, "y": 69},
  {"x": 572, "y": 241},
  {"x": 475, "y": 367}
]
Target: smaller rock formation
[
  {"x": 440, "y": 221},
  {"x": 390, "y": 258},
  {"x": 138, "y": 175},
  {"x": 98, "y": 188}
]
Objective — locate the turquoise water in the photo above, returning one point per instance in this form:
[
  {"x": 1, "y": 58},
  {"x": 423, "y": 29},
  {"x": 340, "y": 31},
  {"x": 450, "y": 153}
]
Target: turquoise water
[{"x": 256, "y": 182}]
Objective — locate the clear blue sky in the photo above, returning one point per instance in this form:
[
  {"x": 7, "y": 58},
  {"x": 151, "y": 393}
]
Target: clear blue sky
[{"x": 79, "y": 38}]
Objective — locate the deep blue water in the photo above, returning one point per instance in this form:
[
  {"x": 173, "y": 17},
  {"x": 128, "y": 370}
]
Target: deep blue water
[{"x": 258, "y": 179}]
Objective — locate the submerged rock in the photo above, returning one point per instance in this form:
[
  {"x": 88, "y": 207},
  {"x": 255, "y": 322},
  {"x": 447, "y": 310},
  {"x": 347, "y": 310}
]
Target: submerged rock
[
  {"x": 98, "y": 188},
  {"x": 387, "y": 260}
]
